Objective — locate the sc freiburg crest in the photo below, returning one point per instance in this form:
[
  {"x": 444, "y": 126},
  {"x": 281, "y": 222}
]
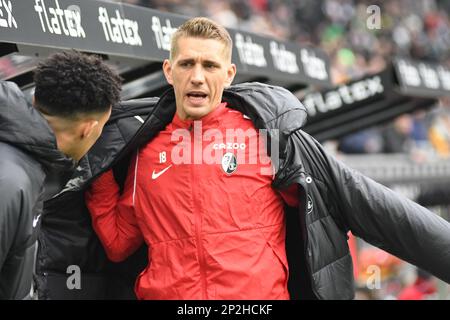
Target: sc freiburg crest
[{"x": 229, "y": 163}]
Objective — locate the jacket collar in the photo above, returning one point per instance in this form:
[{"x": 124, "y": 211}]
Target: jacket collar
[
  {"x": 269, "y": 107},
  {"x": 211, "y": 120}
]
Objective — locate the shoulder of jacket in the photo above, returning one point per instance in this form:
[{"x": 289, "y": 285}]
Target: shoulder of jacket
[
  {"x": 10, "y": 85},
  {"x": 17, "y": 168},
  {"x": 310, "y": 150}
]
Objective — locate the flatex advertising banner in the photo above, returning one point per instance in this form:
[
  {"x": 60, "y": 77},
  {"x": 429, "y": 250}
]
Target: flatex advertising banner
[
  {"x": 276, "y": 59},
  {"x": 93, "y": 26},
  {"x": 346, "y": 97},
  {"x": 141, "y": 33},
  {"x": 359, "y": 104},
  {"x": 418, "y": 78}
]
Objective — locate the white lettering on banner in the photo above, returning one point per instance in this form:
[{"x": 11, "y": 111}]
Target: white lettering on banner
[
  {"x": 250, "y": 53},
  {"x": 409, "y": 74},
  {"x": 163, "y": 34},
  {"x": 429, "y": 76},
  {"x": 118, "y": 29},
  {"x": 314, "y": 67},
  {"x": 53, "y": 18},
  {"x": 361, "y": 90},
  {"x": 283, "y": 60},
  {"x": 9, "y": 21},
  {"x": 425, "y": 75},
  {"x": 444, "y": 75}
]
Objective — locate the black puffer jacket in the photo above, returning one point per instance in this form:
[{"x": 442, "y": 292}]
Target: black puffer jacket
[
  {"x": 334, "y": 199},
  {"x": 28, "y": 155}
]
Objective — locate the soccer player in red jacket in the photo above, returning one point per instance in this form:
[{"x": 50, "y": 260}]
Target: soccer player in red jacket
[{"x": 199, "y": 194}]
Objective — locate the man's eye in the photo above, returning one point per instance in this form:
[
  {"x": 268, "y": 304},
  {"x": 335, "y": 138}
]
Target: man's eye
[
  {"x": 186, "y": 64},
  {"x": 210, "y": 66}
]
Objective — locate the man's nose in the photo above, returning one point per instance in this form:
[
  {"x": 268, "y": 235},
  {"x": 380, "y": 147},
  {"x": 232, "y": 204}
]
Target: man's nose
[{"x": 198, "y": 76}]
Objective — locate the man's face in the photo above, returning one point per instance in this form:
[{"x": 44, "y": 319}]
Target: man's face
[
  {"x": 198, "y": 73},
  {"x": 94, "y": 133},
  {"x": 85, "y": 132},
  {"x": 75, "y": 136}
]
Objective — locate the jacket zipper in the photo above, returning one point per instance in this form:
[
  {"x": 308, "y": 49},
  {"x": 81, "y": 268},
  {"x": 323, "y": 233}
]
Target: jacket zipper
[
  {"x": 198, "y": 222},
  {"x": 307, "y": 252}
]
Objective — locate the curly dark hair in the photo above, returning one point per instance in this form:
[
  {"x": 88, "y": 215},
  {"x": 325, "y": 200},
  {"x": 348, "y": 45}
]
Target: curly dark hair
[{"x": 70, "y": 83}]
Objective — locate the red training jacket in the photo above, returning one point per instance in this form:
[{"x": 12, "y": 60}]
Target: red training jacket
[{"x": 201, "y": 198}]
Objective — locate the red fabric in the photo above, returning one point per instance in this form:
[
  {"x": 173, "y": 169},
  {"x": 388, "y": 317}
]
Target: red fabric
[
  {"x": 290, "y": 195},
  {"x": 211, "y": 235},
  {"x": 352, "y": 244},
  {"x": 421, "y": 289},
  {"x": 113, "y": 218}
]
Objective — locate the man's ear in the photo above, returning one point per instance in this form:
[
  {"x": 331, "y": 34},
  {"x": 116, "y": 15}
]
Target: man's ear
[
  {"x": 87, "y": 128},
  {"x": 231, "y": 72},
  {"x": 167, "y": 68}
]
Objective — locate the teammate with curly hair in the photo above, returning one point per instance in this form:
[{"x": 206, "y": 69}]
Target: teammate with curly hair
[
  {"x": 75, "y": 92},
  {"x": 73, "y": 99}
]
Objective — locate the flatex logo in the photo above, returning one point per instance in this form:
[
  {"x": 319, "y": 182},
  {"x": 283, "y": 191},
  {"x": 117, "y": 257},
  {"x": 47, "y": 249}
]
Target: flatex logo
[
  {"x": 163, "y": 33},
  {"x": 6, "y": 17},
  {"x": 249, "y": 52},
  {"x": 444, "y": 75},
  {"x": 314, "y": 67},
  {"x": 118, "y": 29},
  {"x": 344, "y": 95},
  {"x": 60, "y": 21},
  {"x": 424, "y": 75},
  {"x": 409, "y": 74},
  {"x": 283, "y": 59}
]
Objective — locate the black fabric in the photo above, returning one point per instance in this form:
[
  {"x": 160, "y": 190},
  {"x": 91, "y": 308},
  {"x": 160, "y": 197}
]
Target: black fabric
[
  {"x": 343, "y": 200},
  {"x": 28, "y": 155},
  {"x": 434, "y": 194},
  {"x": 299, "y": 284}
]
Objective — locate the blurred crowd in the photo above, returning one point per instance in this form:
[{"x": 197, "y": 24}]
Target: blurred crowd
[
  {"x": 416, "y": 28},
  {"x": 421, "y": 135}
]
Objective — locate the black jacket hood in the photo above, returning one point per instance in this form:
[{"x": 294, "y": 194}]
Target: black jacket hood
[
  {"x": 22, "y": 126},
  {"x": 280, "y": 105}
]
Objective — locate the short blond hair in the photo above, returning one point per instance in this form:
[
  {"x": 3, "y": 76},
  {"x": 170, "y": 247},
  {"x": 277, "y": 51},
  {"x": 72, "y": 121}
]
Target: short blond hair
[{"x": 201, "y": 27}]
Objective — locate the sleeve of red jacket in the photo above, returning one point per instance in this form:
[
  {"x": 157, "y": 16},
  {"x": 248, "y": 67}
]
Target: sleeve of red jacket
[{"x": 113, "y": 216}]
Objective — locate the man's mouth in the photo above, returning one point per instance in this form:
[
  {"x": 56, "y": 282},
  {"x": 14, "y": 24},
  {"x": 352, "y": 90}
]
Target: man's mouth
[
  {"x": 197, "y": 94},
  {"x": 196, "y": 97}
]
